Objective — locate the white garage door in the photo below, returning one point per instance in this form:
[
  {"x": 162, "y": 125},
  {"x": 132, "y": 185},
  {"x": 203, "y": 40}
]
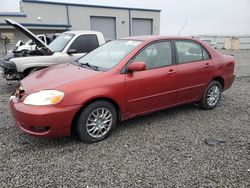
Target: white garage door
[
  {"x": 141, "y": 27},
  {"x": 106, "y": 25}
]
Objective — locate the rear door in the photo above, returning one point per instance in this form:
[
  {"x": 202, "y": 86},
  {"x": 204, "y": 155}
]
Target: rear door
[
  {"x": 195, "y": 69},
  {"x": 155, "y": 87}
]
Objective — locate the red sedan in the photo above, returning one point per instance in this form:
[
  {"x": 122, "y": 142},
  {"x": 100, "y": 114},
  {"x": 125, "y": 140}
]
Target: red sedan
[{"x": 120, "y": 80}]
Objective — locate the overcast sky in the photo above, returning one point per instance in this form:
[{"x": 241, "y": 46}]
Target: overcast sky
[{"x": 216, "y": 17}]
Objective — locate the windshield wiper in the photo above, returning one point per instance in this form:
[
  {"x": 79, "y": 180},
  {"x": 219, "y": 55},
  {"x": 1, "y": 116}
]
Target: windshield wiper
[{"x": 89, "y": 65}]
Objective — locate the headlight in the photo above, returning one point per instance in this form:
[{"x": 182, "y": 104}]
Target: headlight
[{"x": 44, "y": 97}]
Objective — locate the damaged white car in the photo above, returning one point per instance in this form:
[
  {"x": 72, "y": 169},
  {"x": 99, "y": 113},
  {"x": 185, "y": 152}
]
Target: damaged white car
[
  {"x": 66, "y": 48},
  {"x": 30, "y": 45}
]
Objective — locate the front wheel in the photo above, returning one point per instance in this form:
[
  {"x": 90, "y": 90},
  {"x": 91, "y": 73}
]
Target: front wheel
[
  {"x": 211, "y": 95},
  {"x": 96, "y": 121}
]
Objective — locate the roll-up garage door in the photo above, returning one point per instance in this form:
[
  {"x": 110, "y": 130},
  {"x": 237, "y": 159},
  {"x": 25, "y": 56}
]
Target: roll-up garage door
[
  {"x": 106, "y": 25},
  {"x": 141, "y": 27}
]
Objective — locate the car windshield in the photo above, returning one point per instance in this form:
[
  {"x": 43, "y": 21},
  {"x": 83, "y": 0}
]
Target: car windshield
[
  {"x": 110, "y": 54},
  {"x": 60, "y": 42}
]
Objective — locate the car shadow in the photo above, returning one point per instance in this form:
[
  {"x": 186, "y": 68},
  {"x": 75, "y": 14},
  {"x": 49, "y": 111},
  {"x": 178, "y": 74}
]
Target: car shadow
[{"x": 136, "y": 122}]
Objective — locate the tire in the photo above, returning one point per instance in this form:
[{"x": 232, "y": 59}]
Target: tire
[
  {"x": 94, "y": 123},
  {"x": 214, "y": 89}
]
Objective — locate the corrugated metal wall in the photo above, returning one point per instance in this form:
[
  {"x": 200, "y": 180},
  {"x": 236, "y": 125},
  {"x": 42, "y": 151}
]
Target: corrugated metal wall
[
  {"x": 148, "y": 15},
  {"x": 50, "y": 14},
  {"x": 80, "y": 18},
  {"x": 106, "y": 25},
  {"x": 55, "y": 17}
]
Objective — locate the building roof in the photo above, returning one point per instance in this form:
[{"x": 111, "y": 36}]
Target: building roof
[
  {"x": 13, "y": 14},
  {"x": 83, "y": 32},
  {"x": 156, "y": 37}
]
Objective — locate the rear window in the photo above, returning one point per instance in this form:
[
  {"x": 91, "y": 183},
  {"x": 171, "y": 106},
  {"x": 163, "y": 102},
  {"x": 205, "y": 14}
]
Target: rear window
[
  {"x": 189, "y": 51},
  {"x": 85, "y": 43}
]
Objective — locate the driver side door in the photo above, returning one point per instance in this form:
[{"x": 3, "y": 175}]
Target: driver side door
[
  {"x": 155, "y": 87},
  {"x": 82, "y": 45}
]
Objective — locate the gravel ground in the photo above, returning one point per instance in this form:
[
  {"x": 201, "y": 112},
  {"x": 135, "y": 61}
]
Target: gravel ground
[{"x": 164, "y": 149}]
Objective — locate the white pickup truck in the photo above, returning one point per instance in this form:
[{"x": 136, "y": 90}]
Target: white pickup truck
[{"x": 66, "y": 48}]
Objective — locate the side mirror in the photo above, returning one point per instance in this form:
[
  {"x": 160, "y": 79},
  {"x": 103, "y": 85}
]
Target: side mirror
[
  {"x": 136, "y": 66},
  {"x": 71, "y": 51}
]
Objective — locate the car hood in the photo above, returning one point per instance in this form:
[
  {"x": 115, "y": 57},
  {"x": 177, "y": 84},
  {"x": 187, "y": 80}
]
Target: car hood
[
  {"x": 28, "y": 33},
  {"x": 54, "y": 77}
]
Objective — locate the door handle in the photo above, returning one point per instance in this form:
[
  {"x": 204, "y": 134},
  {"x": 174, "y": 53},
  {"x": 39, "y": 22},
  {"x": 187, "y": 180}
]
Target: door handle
[
  {"x": 207, "y": 65},
  {"x": 171, "y": 71}
]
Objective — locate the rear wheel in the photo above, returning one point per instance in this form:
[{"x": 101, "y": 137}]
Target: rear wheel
[
  {"x": 96, "y": 121},
  {"x": 211, "y": 95}
]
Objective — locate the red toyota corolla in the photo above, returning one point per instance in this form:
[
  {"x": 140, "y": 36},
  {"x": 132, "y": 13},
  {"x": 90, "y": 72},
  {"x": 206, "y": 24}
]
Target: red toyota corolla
[{"x": 120, "y": 80}]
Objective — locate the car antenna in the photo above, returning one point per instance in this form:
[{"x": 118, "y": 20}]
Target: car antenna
[{"x": 182, "y": 27}]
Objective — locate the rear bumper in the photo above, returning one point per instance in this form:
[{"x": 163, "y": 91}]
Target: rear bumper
[
  {"x": 229, "y": 82},
  {"x": 43, "y": 121}
]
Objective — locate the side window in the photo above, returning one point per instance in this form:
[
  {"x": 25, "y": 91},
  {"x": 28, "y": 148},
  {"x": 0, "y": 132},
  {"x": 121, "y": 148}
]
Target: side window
[
  {"x": 156, "y": 55},
  {"x": 189, "y": 51},
  {"x": 49, "y": 40},
  {"x": 42, "y": 38},
  {"x": 85, "y": 43},
  {"x": 205, "y": 55}
]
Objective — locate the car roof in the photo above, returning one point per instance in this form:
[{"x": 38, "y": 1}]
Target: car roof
[
  {"x": 156, "y": 37},
  {"x": 83, "y": 32}
]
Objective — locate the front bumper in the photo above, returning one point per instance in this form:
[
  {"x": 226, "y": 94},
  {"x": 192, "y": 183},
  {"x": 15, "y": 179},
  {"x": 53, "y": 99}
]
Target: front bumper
[
  {"x": 8, "y": 66},
  {"x": 43, "y": 121}
]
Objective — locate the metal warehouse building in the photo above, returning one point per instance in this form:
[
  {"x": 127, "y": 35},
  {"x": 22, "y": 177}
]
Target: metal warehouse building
[{"x": 52, "y": 17}]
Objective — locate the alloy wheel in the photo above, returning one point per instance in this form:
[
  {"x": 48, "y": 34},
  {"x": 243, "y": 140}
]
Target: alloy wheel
[
  {"x": 99, "y": 122},
  {"x": 213, "y": 95}
]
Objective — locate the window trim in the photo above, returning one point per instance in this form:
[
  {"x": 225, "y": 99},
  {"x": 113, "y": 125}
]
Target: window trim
[
  {"x": 124, "y": 69},
  {"x": 192, "y": 41},
  {"x": 84, "y": 35}
]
